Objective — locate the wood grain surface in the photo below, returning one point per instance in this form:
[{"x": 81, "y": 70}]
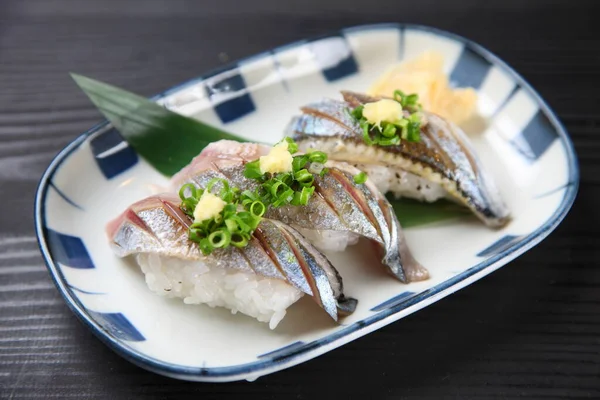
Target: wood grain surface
[{"x": 531, "y": 329}]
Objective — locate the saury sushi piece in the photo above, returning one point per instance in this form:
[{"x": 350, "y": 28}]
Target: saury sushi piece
[
  {"x": 339, "y": 212},
  {"x": 274, "y": 270},
  {"x": 442, "y": 164}
]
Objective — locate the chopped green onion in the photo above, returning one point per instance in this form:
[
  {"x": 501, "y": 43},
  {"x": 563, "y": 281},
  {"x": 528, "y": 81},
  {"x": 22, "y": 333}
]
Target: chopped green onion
[
  {"x": 414, "y": 132},
  {"x": 257, "y": 208},
  {"x": 304, "y": 177},
  {"x": 278, "y": 188},
  {"x": 299, "y": 162},
  {"x": 389, "y": 131},
  {"x": 302, "y": 198},
  {"x": 388, "y": 134},
  {"x": 284, "y": 198},
  {"x": 315, "y": 168},
  {"x": 389, "y": 141},
  {"x": 360, "y": 178},
  {"x": 205, "y": 246},
  {"x": 219, "y": 238},
  {"x": 292, "y": 146},
  {"x": 358, "y": 112},
  {"x": 214, "y": 181},
  {"x": 239, "y": 240},
  {"x": 252, "y": 170},
  {"x": 193, "y": 191},
  {"x": 366, "y": 136},
  {"x": 412, "y": 99},
  {"x": 399, "y": 95},
  {"x": 317, "y": 156}
]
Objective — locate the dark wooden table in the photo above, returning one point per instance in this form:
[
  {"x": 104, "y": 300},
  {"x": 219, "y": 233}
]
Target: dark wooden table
[{"x": 531, "y": 329}]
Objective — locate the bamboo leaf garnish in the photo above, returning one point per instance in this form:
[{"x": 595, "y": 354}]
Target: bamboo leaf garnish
[
  {"x": 165, "y": 139},
  {"x": 413, "y": 213}
]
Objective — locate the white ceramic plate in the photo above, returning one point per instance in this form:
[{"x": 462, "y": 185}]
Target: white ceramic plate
[{"x": 98, "y": 175}]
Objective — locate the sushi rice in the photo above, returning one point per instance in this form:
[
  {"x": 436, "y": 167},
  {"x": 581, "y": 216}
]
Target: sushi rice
[
  {"x": 402, "y": 183},
  {"x": 265, "y": 299}
]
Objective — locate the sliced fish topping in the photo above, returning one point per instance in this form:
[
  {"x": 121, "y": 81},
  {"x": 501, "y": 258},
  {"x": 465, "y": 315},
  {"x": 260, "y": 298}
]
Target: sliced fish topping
[
  {"x": 338, "y": 204},
  {"x": 443, "y": 157},
  {"x": 156, "y": 225}
]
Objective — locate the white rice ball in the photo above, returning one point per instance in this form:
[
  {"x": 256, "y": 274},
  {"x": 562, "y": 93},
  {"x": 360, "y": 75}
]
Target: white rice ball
[{"x": 265, "y": 299}]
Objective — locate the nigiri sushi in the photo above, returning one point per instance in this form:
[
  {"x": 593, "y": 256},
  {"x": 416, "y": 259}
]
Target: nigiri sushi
[
  {"x": 337, "y": 215},
  {"x": 441, "y": 164},
  {"x": 262, "y": 279}
]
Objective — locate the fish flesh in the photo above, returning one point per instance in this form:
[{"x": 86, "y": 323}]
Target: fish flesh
[
  {"x": 442, "y": 164},
  {"x": 338, "y": 206},
  {"x": 262, "y": 279}
]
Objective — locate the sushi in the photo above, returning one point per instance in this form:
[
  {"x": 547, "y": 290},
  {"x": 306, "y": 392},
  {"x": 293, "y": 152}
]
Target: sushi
[
  {"x": 338, "y": 213},
  {"x": 262, "y": 279},
  {"x": 433, "y": 161}
]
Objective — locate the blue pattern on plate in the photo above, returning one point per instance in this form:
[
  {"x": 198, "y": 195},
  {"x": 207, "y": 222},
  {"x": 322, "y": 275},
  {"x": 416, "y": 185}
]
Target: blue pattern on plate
[
  {"x": 235, "y": 107},
  {"x": 550, "y": 192},
  {"x": 68, "y": 250},
  {"x": 537, "y": 137},
  {"x": 284, "y": 351},
  {"x": 470, "y": 70},
  {"x": 343, "y": 67},
  {"x": 112, "y": 154},
  {"x": 499, "y": 246},
  {"x": 118, "y": 326},
  {"x": 84, "y": 291},
  {"x": 64, "y": 196},
  {"x": 394, "y": 301}
]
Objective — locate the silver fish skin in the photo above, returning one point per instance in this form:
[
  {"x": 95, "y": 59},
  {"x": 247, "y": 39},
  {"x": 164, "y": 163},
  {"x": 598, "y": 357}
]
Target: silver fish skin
[
  {"x": 444, "y": 155},
  {"x": 157, "y": 225},
  {"x": 338, "y": 204}
]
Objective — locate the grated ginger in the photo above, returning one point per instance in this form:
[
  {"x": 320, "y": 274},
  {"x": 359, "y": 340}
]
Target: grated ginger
[{"x": 424, "y": 75}]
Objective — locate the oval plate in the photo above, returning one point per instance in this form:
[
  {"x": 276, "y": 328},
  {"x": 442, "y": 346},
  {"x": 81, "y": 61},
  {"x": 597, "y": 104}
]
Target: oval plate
[{"x": 97, "y": 176}]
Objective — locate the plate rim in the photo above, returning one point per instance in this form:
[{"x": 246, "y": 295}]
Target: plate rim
[{"x": 344, "y": 335}]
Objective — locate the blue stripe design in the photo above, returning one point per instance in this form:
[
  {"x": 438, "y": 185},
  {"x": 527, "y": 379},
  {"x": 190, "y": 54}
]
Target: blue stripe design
[
  {"x": 236, "y": 107},
  {"x": 470, "y": 70},
  {"x": 394, "y": 301},
  {"x": 499, "y": 246},
  {"x": 84, "y": 291},
  {"x": 64, "y": 196},
  {"x": 344, "y": 66},
  {"x": 514, "y": 91},
  {"x": 68, "y": 250},
  {"x": 284, "y": 351},
  {"x": 118, "y": 326},
  {"x": 536, "y": 138},
  {"x": 112, "y": 154},
  {"x": 548, "y": 193}
]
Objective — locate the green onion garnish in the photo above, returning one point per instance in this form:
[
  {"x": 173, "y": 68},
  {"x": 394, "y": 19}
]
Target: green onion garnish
[
  {"x": 410, "y": 100},
  {"x": 257, "y": 208},
  {"x": 239, "y": 239},
  {"x": 232, "y": 226},
  {"x": 389, "y": 134},
  {"x": 280, "y": 189},
  {"x": 304, "y": 177},
  {"x": 252, "y": 170},
  {"x": 318, "y": 157},
  {"x": 360, "y": 178},
  {"x": 292, "y": 146}
]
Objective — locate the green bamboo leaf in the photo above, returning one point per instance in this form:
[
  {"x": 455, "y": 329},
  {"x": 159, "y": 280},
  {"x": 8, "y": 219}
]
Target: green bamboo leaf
[
  {"x": 412, "y": 213},
  {"x": 167, "y": 140}
]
